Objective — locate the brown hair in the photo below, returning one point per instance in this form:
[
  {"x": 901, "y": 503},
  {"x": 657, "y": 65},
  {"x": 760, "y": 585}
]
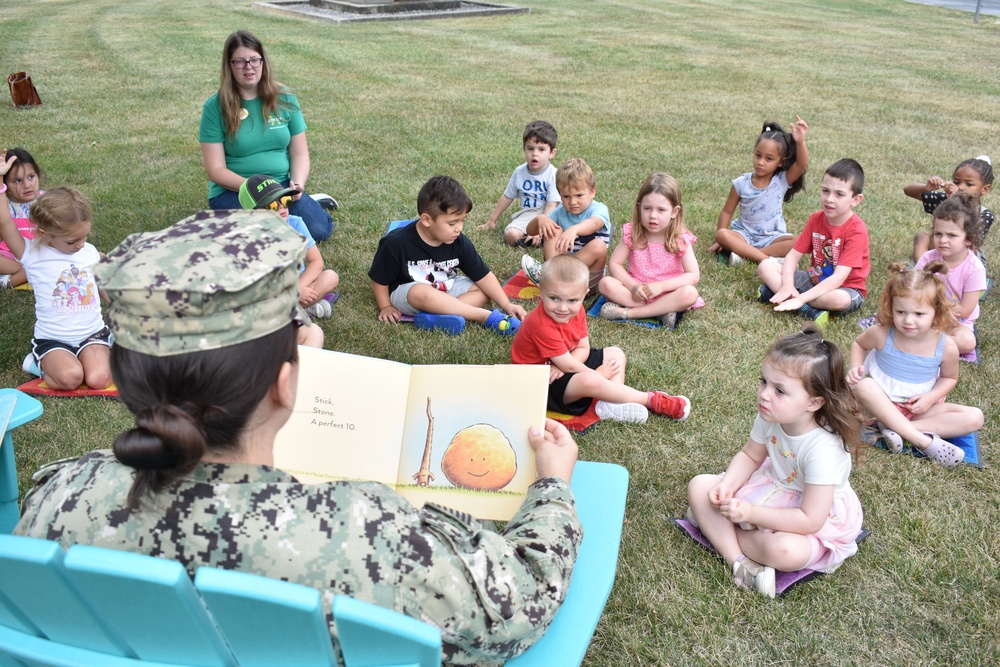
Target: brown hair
[
  {"x": 963, "y": 209},
  {"x": 920, "y": 284},
  {"x": 268, "y": 89},
  {"x": 819, "y": 364}
]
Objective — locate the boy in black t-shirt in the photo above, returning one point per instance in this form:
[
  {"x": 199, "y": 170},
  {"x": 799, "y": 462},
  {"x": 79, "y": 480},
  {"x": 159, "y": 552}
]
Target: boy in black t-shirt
[{"x": 415, "y": 269}]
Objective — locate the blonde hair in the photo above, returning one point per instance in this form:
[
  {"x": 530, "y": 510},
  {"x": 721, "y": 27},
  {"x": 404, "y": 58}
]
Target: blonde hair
[
  {"x": 666, "y": 185},
  {"x": 921, "y": 284},
  {"x": 268, "y": 89},
  {"x": 575, "y": 172},
  {"x": 568, "y": 269},
  {"x": 59, "y": 212}
]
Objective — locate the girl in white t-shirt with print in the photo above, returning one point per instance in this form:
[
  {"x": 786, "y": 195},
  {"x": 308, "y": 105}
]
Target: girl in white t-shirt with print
[
  {"x": 71, "y": 344},
  {"x": 785, "y": 502}
]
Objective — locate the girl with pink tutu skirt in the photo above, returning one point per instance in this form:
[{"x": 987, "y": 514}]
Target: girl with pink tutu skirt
[{"x": 785, "y": 502}]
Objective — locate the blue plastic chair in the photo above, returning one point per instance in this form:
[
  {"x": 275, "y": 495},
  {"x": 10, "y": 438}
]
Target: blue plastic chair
[
  {"x": 93, "y": 606},
  {"x": 25, "y": 409}
]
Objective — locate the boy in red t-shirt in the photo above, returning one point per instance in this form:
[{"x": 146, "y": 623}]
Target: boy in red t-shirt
[
  {"x": 556, "y": 334},
  {"x": 837, "y": 242}
]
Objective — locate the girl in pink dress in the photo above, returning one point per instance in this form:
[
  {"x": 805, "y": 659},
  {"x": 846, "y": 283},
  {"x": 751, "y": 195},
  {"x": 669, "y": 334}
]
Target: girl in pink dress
[{"x": 659, "y": 251}]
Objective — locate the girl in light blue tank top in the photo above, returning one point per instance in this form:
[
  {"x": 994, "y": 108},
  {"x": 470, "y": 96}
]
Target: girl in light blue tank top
[{"x": 903, "y": 367}]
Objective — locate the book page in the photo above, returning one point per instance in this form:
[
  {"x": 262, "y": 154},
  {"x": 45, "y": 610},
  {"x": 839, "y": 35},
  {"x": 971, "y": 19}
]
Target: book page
[
  {"x": 479, "y": 459},
  {"x": 348, "y": 418}
]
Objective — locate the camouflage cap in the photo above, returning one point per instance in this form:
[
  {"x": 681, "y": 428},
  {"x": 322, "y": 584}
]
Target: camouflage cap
[{"x": 209, "y": 281}]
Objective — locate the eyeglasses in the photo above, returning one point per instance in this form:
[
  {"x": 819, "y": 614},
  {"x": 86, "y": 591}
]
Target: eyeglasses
[
  {"x": 284, "y": 201},
  {"x": 241, "y": 63}
]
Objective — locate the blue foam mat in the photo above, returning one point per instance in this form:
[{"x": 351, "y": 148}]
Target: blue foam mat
[{"x": 649, "y": 322}]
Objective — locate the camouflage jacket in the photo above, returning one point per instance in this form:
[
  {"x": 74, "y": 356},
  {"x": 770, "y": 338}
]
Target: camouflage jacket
[{"x": 492, "y": 594}]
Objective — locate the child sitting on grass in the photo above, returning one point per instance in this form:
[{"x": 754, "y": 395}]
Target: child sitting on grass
[
  {"x": 533, "y": 185},
  {"x": 556, "y": 334},
  {"x": 839, "y": 256},
  {"x": 973, "y": 176},
  {"x": 316, "y": 283},
  {"x": 579, "y": 226},
  {"x": 415, "y": 269}
]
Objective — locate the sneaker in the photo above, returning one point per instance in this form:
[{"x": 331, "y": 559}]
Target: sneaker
[
  {"x": 532, "y": 268},
  {"x": 612, "y": 311},
  {"x": 820, "y": 317},
  {"x": 751, "y": 574},
  {"x": 450, "y": 324},
  {"x": 734, "y": 259},
  {"x": 675, "y": 407},
  {"x": 635, "y": 413},
  {"x": 764, "y": 294},
  {"x": 326, "y": 201},
  {"x": 320, "y": 310},
  {"x": 503, "y": 324},
  {"x": 5, "y": 281}
]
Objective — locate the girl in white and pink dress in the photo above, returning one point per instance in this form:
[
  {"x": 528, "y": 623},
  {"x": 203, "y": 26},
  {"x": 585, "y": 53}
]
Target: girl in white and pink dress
[
  {"x": 785, "y": 502},
  {"x": 662, "y": 270}
]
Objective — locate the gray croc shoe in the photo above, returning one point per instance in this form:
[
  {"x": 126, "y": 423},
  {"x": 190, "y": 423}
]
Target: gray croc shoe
[{"x": 943, "y": 452}]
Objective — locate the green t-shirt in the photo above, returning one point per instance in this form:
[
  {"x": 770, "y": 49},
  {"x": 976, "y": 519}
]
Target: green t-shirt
[{"x": 257, "y": 147}]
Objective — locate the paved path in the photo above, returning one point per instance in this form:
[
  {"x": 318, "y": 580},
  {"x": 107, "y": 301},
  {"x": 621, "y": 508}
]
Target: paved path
[{"x": 989, "y": 7}]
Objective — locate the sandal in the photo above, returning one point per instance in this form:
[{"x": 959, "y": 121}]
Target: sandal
[
  {"x": 751, "y": 574},
  {"x": 450, "y": 324},
  {"x": 612, "y": 311},
  {"x": 503, "y": 324},
  {"x": 943, "y": 452}
]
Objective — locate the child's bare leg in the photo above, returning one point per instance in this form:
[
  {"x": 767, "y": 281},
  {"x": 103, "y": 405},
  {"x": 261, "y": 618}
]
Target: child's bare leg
[
  {"x": 719, "y": 530},
  {"x": 311, "y": 335},
  {"x": 837, "y": 299},
  {"x": 12, "y": 267},
  {"x": 614, "y": 362},
  {"x": 469, "y": 305},
  {"x": 549, "y": 248},
  {"x": 595, "y": 255},
  {"x": 734, "y": 242},
  {"x": 616, "y": 292},
  {"x": 61, "y": 370},
  {"x": 782, "y": 551},
  {"x": 871, "y": 396},
  {"x": 679, "y": 300},
  {"x": 96, "y": 362},
  {"x": 965, "y": 338},
  {"x": 921, "y": 244},
  {"x": 769, "y": 271},
  {"x": 595, "y": 385},
  {"x": 326, "y": 282},
  {"x": 780, "y": 247},
  {"x": 948, "y": 420},
  {"x": 513, "y": 235}
]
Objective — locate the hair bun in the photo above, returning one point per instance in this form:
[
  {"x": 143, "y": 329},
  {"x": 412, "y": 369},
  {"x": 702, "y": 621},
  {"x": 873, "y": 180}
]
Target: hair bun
[{"x": 144, "y": 450}]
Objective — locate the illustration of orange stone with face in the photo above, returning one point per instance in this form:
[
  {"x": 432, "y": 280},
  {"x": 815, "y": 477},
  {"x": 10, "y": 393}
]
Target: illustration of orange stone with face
[{"x": 479, "y": 457}]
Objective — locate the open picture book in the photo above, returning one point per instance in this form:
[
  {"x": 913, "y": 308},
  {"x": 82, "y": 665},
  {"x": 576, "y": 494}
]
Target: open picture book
[{"x": 455, "y": 435}]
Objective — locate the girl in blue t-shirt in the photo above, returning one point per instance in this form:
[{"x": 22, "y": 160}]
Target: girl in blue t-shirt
[{"x": 779, "y": 165}]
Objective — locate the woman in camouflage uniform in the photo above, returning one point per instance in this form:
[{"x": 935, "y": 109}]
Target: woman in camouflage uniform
[{"x": 194, "y": 482}]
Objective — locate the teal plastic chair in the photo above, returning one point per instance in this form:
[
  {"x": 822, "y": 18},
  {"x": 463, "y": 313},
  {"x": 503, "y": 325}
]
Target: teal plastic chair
[
  {"x": 22, "y": 409},
  {"x": 93, "y": 606}
]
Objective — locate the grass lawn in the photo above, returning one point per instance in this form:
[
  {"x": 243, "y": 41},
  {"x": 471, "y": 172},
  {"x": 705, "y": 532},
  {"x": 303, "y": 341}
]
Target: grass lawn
[{"x": 632, "y": 87}]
